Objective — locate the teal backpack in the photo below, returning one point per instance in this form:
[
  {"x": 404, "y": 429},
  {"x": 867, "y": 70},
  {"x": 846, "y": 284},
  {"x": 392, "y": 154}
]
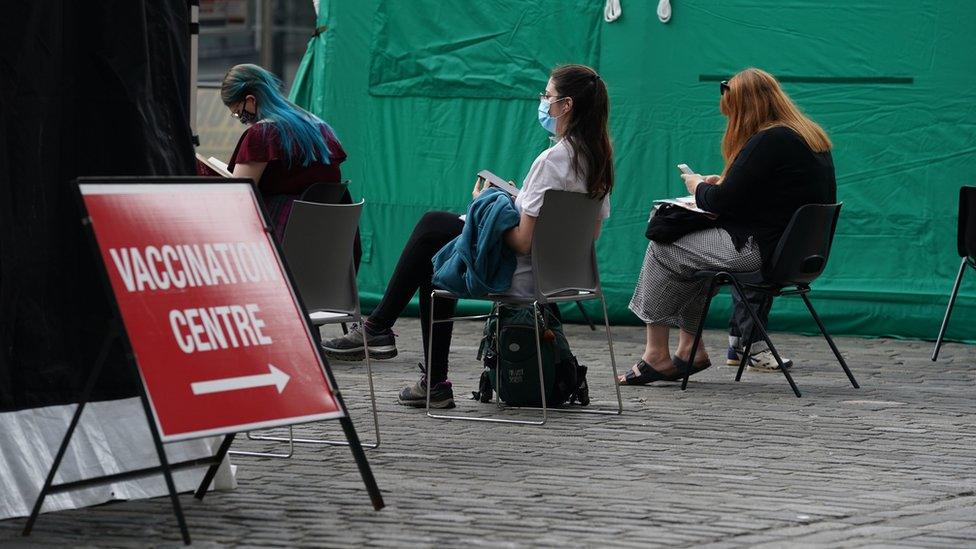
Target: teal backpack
[{"x": 565, "y": 378}]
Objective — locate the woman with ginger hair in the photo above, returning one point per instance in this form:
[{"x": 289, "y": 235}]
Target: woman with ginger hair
[{"x": 776, "y": 160}]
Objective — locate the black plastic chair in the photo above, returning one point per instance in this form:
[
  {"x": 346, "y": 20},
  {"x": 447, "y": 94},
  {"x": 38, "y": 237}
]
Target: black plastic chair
[
  {"x": 336, "y": 193},
  {"x": 328, "y": 193},
  {"x": 799, "y": 258},
  {"x": 966, "y": 243},
  {"x": 317, "y": 249}
]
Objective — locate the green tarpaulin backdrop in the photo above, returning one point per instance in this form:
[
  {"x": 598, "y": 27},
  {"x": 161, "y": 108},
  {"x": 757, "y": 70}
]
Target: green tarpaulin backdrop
[{"x": 424, "y": 93}]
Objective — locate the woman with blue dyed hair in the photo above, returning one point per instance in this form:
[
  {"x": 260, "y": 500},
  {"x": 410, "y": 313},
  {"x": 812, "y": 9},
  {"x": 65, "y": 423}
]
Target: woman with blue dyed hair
[{"x": 285, "y": 148}]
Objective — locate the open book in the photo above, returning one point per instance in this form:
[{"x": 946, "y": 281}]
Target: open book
[
  {"x": 214, "y": 165},
  {"x": 686, "y": 202},
  {"x": 496, "y": 181}
]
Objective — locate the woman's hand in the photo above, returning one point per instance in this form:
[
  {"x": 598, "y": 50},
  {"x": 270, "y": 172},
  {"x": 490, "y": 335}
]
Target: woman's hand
[
  {"x": 479, "y": 187},
  {"x": 692, "y": 180},
  {"x": 713, "y": 179}
]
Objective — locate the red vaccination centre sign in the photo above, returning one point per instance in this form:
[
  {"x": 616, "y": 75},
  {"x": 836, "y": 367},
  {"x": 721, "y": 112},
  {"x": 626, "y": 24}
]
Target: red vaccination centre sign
[{"x": 220, "y": 340}]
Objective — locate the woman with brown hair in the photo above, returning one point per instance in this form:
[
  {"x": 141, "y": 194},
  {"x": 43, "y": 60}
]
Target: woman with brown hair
[
  {"x": 574, "y": 108},
  {"x": 776, "y": 160}
]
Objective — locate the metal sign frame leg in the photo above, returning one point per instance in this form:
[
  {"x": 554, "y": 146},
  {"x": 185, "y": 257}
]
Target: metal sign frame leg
[
  {"x": 174, "y": 496},
  {"x": 375, "y": 497},
  {"x": 358, "y": 454},
  {"x": 110, "y": 337},
  {"x": 115, "y": 333},
  {"x": 212, "y": 471}
]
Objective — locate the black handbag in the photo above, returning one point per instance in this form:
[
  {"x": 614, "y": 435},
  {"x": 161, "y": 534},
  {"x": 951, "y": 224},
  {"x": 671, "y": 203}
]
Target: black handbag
[{"x": 671, "y": 222}]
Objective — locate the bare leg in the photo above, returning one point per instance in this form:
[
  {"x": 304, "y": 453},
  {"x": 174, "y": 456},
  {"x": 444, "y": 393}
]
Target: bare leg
[
  {"x": 656, "y": 348},
  {"x": 656, "y": 352},
  {"x": 685, "y": 341}
]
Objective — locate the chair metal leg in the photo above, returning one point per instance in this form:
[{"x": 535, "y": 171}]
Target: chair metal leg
[
  {"x": 586, "y": 316},
  {"x": 830, "y": 342},
  {"x": 538, "y": 359},
  {"x": 736, "y": 287},
  {"x": 743, "y": 361},
  {"x": 698, "y": 332},
  {"x": 291, "y": 440},
  {"x": 952, "y": 302},
  {"x": 430, "y": 350},
  {"x": 613, "y": 360}
]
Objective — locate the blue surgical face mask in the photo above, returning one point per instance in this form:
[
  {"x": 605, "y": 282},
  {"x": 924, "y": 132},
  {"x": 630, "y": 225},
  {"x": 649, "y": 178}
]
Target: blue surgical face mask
[{"x": 548, "y": 121}]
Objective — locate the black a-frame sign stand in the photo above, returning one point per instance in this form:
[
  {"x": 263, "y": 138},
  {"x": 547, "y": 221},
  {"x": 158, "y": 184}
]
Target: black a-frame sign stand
[
  {"x": 116, "y": 333},
  {"x": 164, "y": 466},
  {"x": 167, "y": 468}
]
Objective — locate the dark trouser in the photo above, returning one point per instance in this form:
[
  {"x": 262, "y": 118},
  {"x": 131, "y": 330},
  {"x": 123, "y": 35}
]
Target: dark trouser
[
  {"x": 742, "y": 329},
  {"x": 413, "y": 273}
]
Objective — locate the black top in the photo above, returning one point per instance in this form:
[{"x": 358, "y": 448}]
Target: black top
[{"x": 774, "y": 174}]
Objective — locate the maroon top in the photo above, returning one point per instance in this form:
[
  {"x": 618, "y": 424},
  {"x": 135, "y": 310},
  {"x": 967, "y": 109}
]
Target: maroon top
[{"x": 261, "y": 143}]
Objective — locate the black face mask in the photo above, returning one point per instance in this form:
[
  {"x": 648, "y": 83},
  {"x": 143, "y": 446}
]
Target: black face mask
[{"x": 246, "y": 117}]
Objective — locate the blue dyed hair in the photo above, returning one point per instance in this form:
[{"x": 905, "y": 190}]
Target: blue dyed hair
[{"x": 299, "y": 130}]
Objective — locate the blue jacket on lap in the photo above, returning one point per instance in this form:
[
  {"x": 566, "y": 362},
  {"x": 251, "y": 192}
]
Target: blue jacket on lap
[{"x": 478, "y": 262}]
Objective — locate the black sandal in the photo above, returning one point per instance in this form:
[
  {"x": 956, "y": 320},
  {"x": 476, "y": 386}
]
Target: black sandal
[
  {"x": 644, "y": 374},
  {"x": 687, "y": 369}
]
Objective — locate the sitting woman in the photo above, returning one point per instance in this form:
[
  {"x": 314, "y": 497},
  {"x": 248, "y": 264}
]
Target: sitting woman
[
  {"x": 285, "y": 148},
  {"x": 574, "y": 108},
  {"x": 776, "y": 160}
]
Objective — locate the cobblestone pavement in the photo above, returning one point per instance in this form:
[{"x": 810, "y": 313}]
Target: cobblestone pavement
[{"x": 722, "y": 464}]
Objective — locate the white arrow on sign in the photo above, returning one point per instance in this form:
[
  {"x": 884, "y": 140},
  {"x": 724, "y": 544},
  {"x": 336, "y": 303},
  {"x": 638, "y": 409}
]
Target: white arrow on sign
[{"x": 276, "y": 377}]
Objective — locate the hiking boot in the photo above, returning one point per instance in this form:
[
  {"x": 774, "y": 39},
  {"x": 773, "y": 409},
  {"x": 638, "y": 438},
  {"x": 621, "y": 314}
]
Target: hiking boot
[
  {"x": 350, "y": 346},
  {"x": 441, "y": 394},
  {"x": 762, "y": 361}
]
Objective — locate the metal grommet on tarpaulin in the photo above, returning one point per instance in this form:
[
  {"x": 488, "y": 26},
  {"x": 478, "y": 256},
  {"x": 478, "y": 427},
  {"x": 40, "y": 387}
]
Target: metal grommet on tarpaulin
[
  {"x": 612, "y": 11},
  {"x": 664, "y": 10}
]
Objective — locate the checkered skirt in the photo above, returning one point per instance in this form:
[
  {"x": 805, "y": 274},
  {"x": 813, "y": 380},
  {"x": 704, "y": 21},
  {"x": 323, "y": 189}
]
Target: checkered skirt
[{"x": 667, "y": 294}]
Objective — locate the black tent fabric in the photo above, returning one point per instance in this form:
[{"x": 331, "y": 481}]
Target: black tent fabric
[{"x": 87, "y": 88}]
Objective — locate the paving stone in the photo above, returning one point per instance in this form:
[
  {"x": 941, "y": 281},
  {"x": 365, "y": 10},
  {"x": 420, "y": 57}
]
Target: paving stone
[{"x": 721, "y": 465}]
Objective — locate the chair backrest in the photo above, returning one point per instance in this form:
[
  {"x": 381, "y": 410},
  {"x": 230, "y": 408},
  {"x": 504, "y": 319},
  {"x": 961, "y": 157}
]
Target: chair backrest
[
  {"x": 327, "y": 193},
  {"x": 318, "y": 246},
  {"x": 967, "y": 222},
  {"x": 563, "y": 252},
  {"x": 801, "y": 253}
]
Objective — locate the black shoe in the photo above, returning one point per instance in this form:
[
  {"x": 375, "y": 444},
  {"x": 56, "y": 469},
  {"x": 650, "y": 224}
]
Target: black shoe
[
  {"x": 441, "y": 394},
  {"x": 350, "y": 346}
]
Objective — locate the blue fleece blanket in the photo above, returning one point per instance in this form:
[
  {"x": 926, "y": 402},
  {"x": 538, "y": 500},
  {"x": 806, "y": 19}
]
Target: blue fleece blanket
[{"x": 478, "y": 262}]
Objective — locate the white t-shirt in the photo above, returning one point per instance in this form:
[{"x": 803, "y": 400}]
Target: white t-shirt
[{"x": 553, "y": 169}]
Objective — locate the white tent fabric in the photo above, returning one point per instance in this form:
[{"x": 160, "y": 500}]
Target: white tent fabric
[{"x": 111, "y": 437}]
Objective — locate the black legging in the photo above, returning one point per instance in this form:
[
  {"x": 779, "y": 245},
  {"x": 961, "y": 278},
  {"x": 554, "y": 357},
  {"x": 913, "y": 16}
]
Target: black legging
[{"x": 414, "y": 272}]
